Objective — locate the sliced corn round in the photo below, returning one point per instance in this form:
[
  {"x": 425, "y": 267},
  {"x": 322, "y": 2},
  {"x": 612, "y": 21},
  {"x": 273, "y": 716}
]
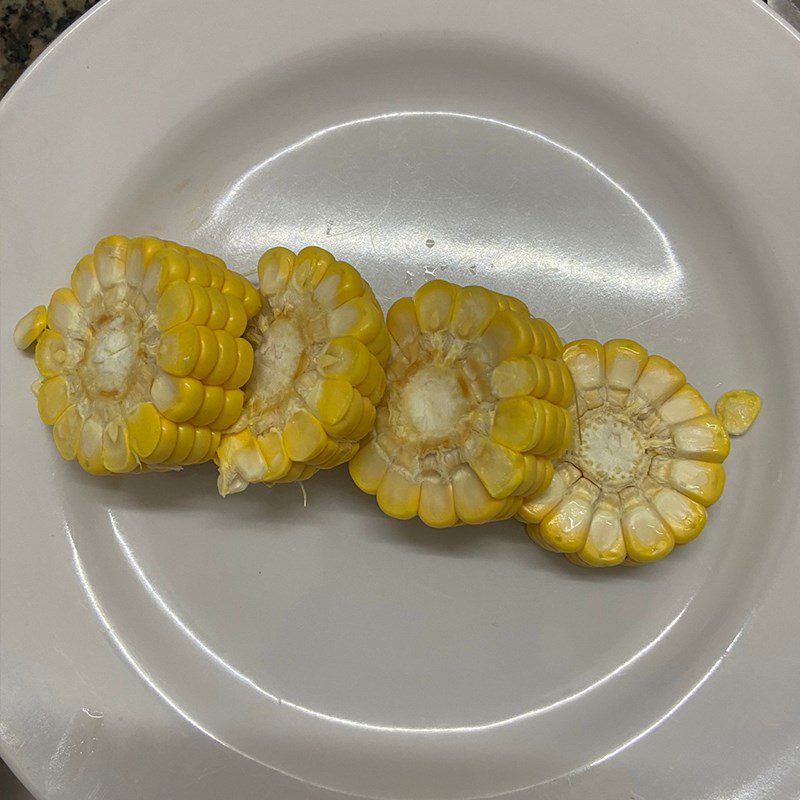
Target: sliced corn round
[
  {"x": 645, "y": 462},
  {"x": 319, "y": 345},
  {"x": 126, "y": 352},
  {"x": 474, "y": 410}
]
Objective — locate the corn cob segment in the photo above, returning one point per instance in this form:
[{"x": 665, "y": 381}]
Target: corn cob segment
[
  {"x": 141, "y": 358},
  {"x": 474, "y": 410},
  {"x": 319, "y": 346},
  {"x": 645, "y": 462}
]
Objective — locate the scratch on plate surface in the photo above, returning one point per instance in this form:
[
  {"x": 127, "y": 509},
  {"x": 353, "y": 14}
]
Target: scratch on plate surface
[{"x": 75, "y": 748}]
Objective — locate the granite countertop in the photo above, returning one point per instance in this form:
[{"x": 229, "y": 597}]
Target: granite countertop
[{"x": 27, "y": 27}]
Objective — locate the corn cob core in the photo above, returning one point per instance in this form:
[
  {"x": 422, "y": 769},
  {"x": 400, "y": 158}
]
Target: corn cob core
[
  {"x": 320, "y": 344},
  {"x": 645, "y": 462},
  {"x": 474, "y": 408},
  {"x": 142, "y": 358}
]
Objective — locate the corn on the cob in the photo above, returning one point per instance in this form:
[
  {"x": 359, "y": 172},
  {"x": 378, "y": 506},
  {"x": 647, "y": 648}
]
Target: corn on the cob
[
  {"x": 320, "y": 345},
  {"x": 645, "y": 463},
  {"x": 142, "y": 359},
  {"x": 738, "y": 410},
  {"x": 474, "y": 409}
]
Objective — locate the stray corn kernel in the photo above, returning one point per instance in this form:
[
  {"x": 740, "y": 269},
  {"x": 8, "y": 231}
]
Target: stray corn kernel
[
  {"x": 135, "y": 372},
  {"x": 319, "y": 346},
  {"x": 474, "y": 411},
  {"x": 645, "y": 462},
  {"x": 738, "y": 410}
]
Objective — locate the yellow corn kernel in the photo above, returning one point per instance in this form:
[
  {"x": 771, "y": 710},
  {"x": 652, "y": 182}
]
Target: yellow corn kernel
[
  {"x": 65, "y": 313},
  {"x": 208, "y": 353},
  {"x": 702, "y": 481},
  {"x": 365, "y": 423},
  {"x": 624, "y": 362},
  {"x": 198, "y": 271},
  {"x": 248, "y": 459},
  {"x": 500, "y": 469},
  {"x": 507, "y": 335},
  {"x": 84, "y": 282},
  {"x": 585, "y": 360},
  {"x": 473, "y": 309},
  {"x": 67, "y": 432},
  {"x": 201, "y": 305},
  {"x": 53, "y": 399},
  {"x": 605, "y": 543},
  {"x": 167, "y": 439},
  {"x": 538, "y": 504},
  {"x": 183, "y": 445},
  {"x": 118, "y": 456},
  {"x": 551, "y": 345},
  {"x": 211, "y": 406},
  {"x": 368, "y": 467},
  {"x": 360, "y": 318},
  {"x": 237, "y": 317},
  {"x": 179, "y": 349},
  {"x": 347, "y": 359},
  {"x": 144, "y": 426},
  {"x": 274, "y": 269},
  {"x": 90, "y": 448},
  {"x": 30, "y": 327},
  {"x": 201, "y": 447},
  {"x": 702, "y": 438},
  {"x": 687, "y": 403},
  {"x": 225, "y": 364},
  {"x": 50, "y": 354},
  {"x": 231, "y": 410},
  {"x": 244, "y": 365},
  {"x": 219, "y": 310},
  {"x": 684, "y": 517},
  {"x": 175, "y": 305},
  {"x": 233, "y": 286},
  {"x": 276, "y": 458},
  {"x": 304, "y": 436},
  {"x": 434, "y": 305},
  {"x": 647, "y": 537},
  {"x": 178, "y": 399},
  {"x": 738, "y": 410},
  {"x": 397, "y": 496},
  {"x": 474, "y": 505},
  {"x": 659, "y": 380},
  {"x": 566, "y": 527}
]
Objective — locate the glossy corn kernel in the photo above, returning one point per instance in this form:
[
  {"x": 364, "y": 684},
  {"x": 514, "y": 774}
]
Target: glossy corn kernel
[
  {"x": 319, "y": 346},
  {"x": 738, "y": 410},
  {"x": 645, "y": 462},
  {"x": 141, "y": 358},
  {"x": 474, "y": 410}
]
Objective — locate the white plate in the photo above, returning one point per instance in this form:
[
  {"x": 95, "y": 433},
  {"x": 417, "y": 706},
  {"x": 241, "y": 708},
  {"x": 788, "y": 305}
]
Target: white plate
[{"x": 629, "y": 168}]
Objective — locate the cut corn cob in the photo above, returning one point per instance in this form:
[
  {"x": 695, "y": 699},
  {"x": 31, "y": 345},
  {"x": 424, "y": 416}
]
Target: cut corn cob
[
  {"x": 474, "y": 409},
  {"x": 738, "y": 410},
  {"x": 320, "y": 344},
  {"x": 142, "y": 359},
  {"x": 645, "y": 463}
]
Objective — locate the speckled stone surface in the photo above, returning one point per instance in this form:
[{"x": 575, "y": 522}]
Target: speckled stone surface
[{"x": 27, "y": 27}]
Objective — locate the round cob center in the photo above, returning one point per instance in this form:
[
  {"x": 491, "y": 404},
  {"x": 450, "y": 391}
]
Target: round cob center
[
  {"x": 280, "y": 359},
  {"x": 433, "y": 403},
  {"x": 611, "y": 450},
  {"x": 112, "y": 355}
]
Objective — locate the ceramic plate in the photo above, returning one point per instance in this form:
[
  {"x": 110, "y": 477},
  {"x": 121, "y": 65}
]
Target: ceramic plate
[{"x": 629, "y": 168}]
